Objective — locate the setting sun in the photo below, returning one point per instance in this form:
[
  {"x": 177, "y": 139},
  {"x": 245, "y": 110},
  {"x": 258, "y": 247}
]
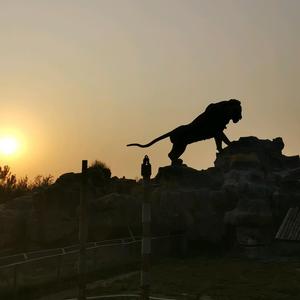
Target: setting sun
[{"x": 8, "y": 145}]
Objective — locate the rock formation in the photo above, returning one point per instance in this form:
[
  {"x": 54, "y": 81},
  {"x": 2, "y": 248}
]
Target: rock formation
[{"x": 247, "y": 192}]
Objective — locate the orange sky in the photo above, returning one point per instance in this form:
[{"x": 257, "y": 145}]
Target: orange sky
[{"x": 81, "y": 79}]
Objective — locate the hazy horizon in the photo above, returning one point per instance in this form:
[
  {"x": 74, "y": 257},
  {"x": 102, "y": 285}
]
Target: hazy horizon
[{"x": 81, "y": 79}]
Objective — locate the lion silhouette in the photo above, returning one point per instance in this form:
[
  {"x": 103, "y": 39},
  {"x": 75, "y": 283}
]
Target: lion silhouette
[{"x": 210, "y": 124}]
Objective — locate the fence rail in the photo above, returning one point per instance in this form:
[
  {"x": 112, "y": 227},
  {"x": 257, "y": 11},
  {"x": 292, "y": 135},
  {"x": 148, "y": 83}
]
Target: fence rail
[
  {"x": 23, "y": 257},
  {"x": 116, "y": 296}
]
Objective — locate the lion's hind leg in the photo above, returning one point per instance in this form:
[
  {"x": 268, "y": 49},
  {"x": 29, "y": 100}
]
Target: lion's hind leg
[{"x": 176, "y": 151}]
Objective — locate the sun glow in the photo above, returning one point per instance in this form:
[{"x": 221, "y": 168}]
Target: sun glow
[{"x": 8, "y": 145}]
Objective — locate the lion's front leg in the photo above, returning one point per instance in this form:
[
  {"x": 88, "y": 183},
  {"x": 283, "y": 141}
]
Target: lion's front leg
[
  {"x": 218, "y": 141},
  {"x": 225, "y": 139},
  {"x": 221, "y": 137}
]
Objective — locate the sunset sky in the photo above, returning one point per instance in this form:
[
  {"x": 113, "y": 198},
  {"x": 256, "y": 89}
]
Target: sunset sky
[{"x": 81, "y": 79}]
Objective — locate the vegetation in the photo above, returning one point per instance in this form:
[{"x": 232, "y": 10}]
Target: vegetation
[
  {"x": 11, "y": 186},
  {"x": 98, "y": 165}
]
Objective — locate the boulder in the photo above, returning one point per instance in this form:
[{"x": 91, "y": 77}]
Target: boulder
[
  {"x": 174, "y": 176},
  {"x": 14, "y": 222},
  {"x": 197, "y": 212},
  {"x": 114, "y": 216},
  {"x": 251, "y": 152}
]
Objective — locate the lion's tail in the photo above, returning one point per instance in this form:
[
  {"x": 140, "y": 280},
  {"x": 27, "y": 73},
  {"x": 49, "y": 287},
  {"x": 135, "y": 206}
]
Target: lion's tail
[{"x": 152, "y": 142}]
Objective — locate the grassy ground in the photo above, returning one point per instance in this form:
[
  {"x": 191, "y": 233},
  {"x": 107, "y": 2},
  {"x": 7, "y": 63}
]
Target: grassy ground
[
  {"x": 202, "y": 278},
  {"x": 216, "y": 278}
]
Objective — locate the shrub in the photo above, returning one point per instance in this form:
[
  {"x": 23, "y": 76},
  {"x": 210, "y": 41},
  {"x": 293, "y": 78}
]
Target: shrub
[{"x": 98, "y": 165}]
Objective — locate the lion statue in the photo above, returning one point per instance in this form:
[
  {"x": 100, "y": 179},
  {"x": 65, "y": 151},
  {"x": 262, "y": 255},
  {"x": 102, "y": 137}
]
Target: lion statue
[{"x": 210, "y": 124}]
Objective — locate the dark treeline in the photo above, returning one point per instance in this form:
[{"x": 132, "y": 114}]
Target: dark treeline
[{"x": 11, "y": 186}]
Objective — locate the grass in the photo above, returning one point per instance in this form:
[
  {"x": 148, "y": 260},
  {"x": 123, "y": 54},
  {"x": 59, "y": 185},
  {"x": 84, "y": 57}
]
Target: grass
[{"x": 219, "y": 278}]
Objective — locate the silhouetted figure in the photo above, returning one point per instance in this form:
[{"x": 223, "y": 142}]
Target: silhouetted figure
[{"x": 210, "y": 124}]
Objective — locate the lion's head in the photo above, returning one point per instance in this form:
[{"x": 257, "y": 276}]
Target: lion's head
[{"x": 235, "y": 110}]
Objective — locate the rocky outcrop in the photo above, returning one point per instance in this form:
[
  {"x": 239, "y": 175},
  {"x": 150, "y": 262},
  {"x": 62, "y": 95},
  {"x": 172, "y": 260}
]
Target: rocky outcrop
[
  {"x": 257, "y": 170},
  {"x": 250, "y": 188}
]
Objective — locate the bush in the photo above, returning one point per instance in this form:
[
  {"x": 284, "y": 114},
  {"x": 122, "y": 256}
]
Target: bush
[{"x": 98, "y": 165}]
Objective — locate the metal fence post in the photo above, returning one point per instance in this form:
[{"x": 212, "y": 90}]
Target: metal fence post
[
  {"x": 83, "y": 233},
  {"x": 146, "y": 227}
]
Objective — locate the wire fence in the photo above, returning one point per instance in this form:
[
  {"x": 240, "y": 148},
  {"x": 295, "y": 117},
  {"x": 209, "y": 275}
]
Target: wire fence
[{"x": 53, "y": 266}]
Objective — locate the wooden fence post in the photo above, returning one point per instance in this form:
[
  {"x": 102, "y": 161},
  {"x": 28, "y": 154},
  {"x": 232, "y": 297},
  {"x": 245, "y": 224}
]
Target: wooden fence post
[
  {"x": 58, "y": 271},
  {"x": 95, "y": 258},
  {"x": 15, "y": 283},
  {"x": 82, "y": 233},
  {"x": 146, "y": 227}
]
